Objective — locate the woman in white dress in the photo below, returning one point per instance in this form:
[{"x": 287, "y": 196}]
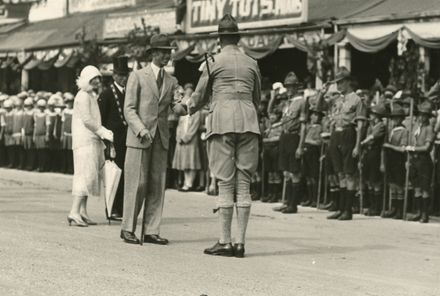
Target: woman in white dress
[{"x": 87, "y": 143}]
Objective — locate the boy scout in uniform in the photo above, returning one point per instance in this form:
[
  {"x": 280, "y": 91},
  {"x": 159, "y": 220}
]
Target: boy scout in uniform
[
  {"x": 7, "y": 124},
  {"x": 395, "y": 161},
  {"x": 420, "y": 145},
  {"x": 52, "y": 142},
  {"x": 17, "y": 133},
  {"x": 291, "y": 142},
  {"x": 233, "y": 131},
  {"x": 372, "y": 145},
  {"x": 349, "y": 120}
]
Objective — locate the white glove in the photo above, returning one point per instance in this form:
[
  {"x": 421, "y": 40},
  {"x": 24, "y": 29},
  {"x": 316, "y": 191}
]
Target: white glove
[{"x": 105, "y": 134}]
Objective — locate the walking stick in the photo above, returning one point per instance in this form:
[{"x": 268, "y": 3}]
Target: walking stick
[
  {"x": 321, "y": 167},
  {"x": 143, "y": 221},
  {"x": 408, "y": 159}
]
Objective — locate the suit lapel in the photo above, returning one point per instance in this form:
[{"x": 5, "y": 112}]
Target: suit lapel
[
  {"x": 166, "y": 84},
  {"x": 152, "y": 81}
]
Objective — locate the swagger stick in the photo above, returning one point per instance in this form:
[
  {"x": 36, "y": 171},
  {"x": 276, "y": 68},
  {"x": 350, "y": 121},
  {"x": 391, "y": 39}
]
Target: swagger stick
[{"x": 408, "y": 158}]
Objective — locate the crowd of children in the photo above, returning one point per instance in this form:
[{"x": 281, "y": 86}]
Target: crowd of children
[{"x": 35, "y": 132}]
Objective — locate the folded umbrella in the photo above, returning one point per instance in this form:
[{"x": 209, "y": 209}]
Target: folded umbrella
[{"x": 112, "y": 176}]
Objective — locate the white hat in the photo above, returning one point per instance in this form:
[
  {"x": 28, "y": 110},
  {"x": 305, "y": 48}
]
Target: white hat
[
  {"x": 41, "y": 103},
  {"x": 87, "y": 74},
  {"x": 54, "y": 100},
  {"x": 7, "y": 103},
  {"x": 22, "y": 95},
  {"x": 16, "y": 101},
  {"x": 28, "y": 102},
  {"x": 68, "y": 96},
  {"x": 3, "y": 98}
]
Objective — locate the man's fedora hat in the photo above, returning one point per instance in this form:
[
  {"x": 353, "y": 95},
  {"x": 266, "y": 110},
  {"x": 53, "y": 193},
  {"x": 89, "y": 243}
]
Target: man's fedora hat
[
  {"x": 159, "y": 41},
  {"x": 227, "y": 26},
  {"x": 425, "y": 108},
  {"x": 120, "y": 65},
  {"x": 341, "y": 74}
]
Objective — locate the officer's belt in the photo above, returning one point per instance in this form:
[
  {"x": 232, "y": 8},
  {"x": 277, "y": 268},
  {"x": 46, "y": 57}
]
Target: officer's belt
[{"x": 232, "y": 96}]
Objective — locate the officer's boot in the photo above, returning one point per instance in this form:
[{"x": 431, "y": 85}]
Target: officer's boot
[
  {"x": 292, "y": 195},
  {"x": 425, "y": 211},
  {"x": 399, "y": 210},
  {"x": 340, "y": 205},
  {"x": 418, "y": 205},
  {"x": 348, "y": 212}
]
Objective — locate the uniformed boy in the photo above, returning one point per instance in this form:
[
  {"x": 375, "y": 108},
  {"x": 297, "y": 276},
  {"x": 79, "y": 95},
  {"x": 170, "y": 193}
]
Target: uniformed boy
[
  {"x": 372, "y": 145},
  {"x": 312, "y": 154},
  {"x": 52, "y": 142},
  {"x": 3, "y": 154},
  {"x": 17, "y": 133},
  {"x": 420, "y": 145},
  {"x": 395, "y": 161},
  {"x": 270, "y": 158}
]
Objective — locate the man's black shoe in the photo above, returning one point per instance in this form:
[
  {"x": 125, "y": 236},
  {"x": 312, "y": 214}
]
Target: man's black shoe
[
  {"x": 155, "y": 239},
  {"x": 129, "y": 237},
  {"x": 219, "y": 249},
  {"x": 115, "y": 217},
  {"x": 239, "y": 250}
]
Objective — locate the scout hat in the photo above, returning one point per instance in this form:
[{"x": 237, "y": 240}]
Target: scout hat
[
  {"x": 22, "y": 95},
  {"x": 159, "y": 41},
  {"x": 291, "y": 79},
  {"x": 341, "y": 74},
  {"x": 227, "y": 26},
  {"x": 120, "y": 65},
  {"x": 425, "y": 108},
  {"x": 379, "y": 109},
  {"x": 397, "y": 111},
  {"x": 391, "y": 89}
]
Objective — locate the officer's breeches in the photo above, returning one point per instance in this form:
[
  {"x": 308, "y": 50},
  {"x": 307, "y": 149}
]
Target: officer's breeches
[{"x": 233, "y": 159}]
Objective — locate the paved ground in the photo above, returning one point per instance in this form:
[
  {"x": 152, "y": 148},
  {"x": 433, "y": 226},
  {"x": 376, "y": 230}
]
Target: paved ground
[{"x": 287, "y": 255}]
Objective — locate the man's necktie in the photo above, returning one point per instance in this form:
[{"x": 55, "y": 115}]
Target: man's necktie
[{"x": 159, "y": 79}]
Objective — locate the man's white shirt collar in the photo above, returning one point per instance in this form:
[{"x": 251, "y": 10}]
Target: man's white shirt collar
[
  {"x": 120, "y": 88},
  {"x": 156, "y": 70}
]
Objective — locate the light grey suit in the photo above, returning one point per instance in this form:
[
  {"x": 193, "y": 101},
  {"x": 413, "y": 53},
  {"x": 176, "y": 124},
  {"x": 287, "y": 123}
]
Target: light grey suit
[{"x": 145, "y": 164}]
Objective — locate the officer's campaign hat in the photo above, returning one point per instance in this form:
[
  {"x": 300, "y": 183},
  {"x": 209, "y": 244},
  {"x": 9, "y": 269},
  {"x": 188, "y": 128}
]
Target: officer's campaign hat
[
  {"x": 227, "y": 26},
  {"x": 425, "y": 108},
  {"x": 341, "y": 74},
  {"x": 397, "y": 111},
  {"x": 379, "y": 109}
]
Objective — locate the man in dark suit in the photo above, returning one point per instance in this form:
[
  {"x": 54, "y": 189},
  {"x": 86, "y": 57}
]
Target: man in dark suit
[{"x": 111, "y": 105}]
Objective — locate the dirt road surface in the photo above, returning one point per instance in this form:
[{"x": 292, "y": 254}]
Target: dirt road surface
[{"x": 302, "y": 254}]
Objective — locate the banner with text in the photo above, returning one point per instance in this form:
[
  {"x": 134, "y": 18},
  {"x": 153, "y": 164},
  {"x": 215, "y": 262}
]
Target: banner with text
[
  {"x": 204, "y": 15},
  {"x": 92, "y": 5}
]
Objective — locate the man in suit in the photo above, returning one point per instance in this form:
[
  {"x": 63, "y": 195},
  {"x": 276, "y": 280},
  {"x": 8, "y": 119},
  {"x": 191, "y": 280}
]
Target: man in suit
[
  {"x": 232, "y": 131},
  {"x": 111, "y": 105},
  {"x": 150, "y": 94}
]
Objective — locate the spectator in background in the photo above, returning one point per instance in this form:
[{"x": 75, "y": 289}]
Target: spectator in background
[{"x": 187, "y": 154}]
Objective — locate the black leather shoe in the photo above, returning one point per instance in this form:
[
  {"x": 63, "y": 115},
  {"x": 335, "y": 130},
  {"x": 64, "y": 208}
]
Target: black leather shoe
[
  {"x": 129, "y": 237},
  {"x": 290, "y": 210},
  {"x": 116, "y": 217},
  {"x": 239, "y": 250},
  {"x": 219, "y": 249},
  {"x": 335, "y": 215},
  {"x": 346, "y": 215},
  {"x": 155, "y": 239}
]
